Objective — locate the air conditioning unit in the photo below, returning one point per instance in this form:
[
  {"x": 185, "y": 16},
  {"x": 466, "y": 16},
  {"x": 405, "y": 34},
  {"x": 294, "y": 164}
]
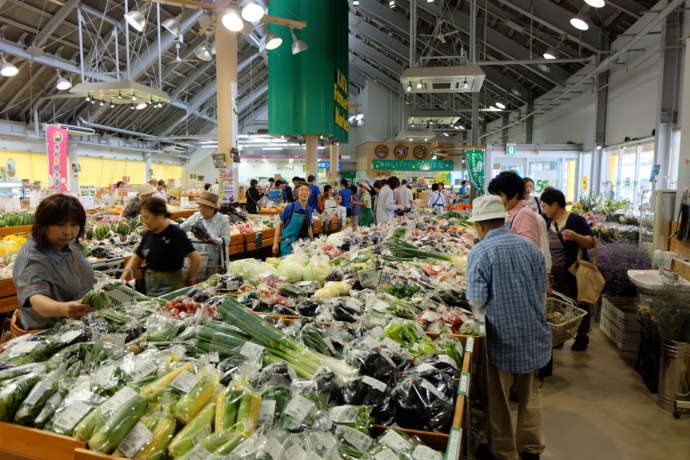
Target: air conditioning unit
[
  {"x": 75, "y": 130},
  {"x": 171, "y": 148}
]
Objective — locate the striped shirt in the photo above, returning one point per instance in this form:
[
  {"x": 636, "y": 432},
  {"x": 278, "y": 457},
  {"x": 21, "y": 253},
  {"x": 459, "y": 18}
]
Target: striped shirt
[{"x": 507, "y": 274}]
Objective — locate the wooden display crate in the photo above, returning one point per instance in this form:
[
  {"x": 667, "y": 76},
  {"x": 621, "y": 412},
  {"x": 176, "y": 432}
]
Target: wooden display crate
[
  {"x": 4, "y": 231},
  {"x": 8, "y": 296},
  {"x": 619, "y": 322},
  {"x": 182, "y": 214},
  {"x": 37, "y": 444},
  {"x": 258, "y": 240}
]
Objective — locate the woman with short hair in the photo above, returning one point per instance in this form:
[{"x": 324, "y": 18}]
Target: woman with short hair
[
  {"x": 50, "y": 273},
  {"x": 163, "y": 249},
  {"x": 295, "y": 223}
]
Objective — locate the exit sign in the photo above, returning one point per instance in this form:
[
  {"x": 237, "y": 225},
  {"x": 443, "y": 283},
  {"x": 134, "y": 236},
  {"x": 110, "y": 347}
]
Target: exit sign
[{"x": 511, "y": 149}]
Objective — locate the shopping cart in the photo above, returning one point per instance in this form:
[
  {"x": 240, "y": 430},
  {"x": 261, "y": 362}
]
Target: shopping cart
[
  {"x": 563, "y": 316},
  {"x": 211, "y": 263}
]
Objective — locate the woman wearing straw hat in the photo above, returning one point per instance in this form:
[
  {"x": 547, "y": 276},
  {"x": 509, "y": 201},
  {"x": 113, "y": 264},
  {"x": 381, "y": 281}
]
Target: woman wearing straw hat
[
  {"x": 218, "y": 228},
  {"x": 132, "y": 209}
]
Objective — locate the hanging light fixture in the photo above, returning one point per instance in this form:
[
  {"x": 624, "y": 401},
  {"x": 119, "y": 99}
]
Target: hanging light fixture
[
  {"x": 391, "y": 4},
  {"x": 62, "y": 84},
  {"x": 132, "y": 107},
  {"x": 112, "y": 105},
  {"x": 172, "y": 25},
  {"x": 102, "y": 103},
  {"x": 420, "y": 85},
  {"x": 141, "y": 106},
  {"x": 203, "y": 53},
  {"x": 272, "y": 41},
  {"x": 252, "y": 11},
  {"x": 409, "y": 87},
  {"x": 93, "y": 101},
  {"x": 136, "y": 20},
  {"x": 88, "y": 98},
  {"x": 232, "y": 20},
  {"x": 579, "y": 22},
  {"x": 501, "y": 105},
  {"x": 595, "y": 3},
  {"x": 297, "y": 45},
  {"x": 550, "y": 53},
  {"x": 355, "y": 2},
  {"x": 119, "y": 95},
  {"x": 7, "y": 69}
]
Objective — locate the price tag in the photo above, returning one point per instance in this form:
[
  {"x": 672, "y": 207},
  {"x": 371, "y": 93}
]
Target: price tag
[
  {"x": 448, "y": 360},
  {"x": 344, "y": 414},
  {"x": 267, "y": 411},
  {"x": 432, "y": 389},
  {"x": 185, "y": 382},
  {"x": 135, "y": 440},
  {"x": 298, "y": 408},
  {"x": 376, "y": 384},
  {"x": 395, "y": 441},
  {"x": 68, "y": 337},
  {"x": 454, "y": 442},
  {"x": 203, "y": 433},
  {"x": 72, "y": 415},
  {"x": 422, "y": 452},
  {"x": 469, "y": 345},
  {"x": 36, "y": 393},
  {"x": 23, "y": 348},
  {"x": 117, "y": 400},
  {"x": 464, "y": 385},
  {"x": 358, "y": 439},
  {"x": 386, "y": 454},
  {"x": 252, "y": 350},
  {"x": 142, "y": 368}
]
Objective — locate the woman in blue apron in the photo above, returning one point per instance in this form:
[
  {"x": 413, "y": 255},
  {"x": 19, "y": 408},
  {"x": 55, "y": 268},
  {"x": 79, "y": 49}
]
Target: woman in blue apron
[{"x": 295, "y": 223}]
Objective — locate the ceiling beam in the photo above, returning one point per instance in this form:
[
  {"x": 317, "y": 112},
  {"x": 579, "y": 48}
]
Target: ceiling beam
[
  {"x": 51, "y": 26},
  {"x": 629, "y": 7}
]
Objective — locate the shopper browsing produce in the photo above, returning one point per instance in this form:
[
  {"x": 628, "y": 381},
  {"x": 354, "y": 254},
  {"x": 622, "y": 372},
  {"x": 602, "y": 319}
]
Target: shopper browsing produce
[
  {"x": 162, "y": 191},
  {"x": 437, "y": 200},
  {"x": 253, "y": 197},
  {"x": 521, "y": 219},
  {"x": 403, "y": 196},
  {"x": 211, "y": 227},
  {"x": 286, "y": 191},
  {"x": 314, "y": 193},
  {"x": 385, "y": 201},
  {"x": 464, "y": 192},
  {"x": 518, "y": 337},
  {"x": 345, "y": 197},
  {"x": 363, "y": 203},
  {"x": 132, "y": 209},
  {"x": 50, "y": 273},
  {"x": 163, "y": 250},
  {"x": 327, "y": 199},
  {"x": 568, "y": 234},
  {"x": 295, "y": 223}
]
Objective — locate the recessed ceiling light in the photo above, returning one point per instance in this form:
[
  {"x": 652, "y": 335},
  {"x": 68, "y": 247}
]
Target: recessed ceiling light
[
  {"x": 355, "y": 2},
  {"x": 391, "y": 3},
  {"x": 579, "y": 23},
  {"x": 595, "y": 3},
  {"x": 500, "y": 105},
  {"x": 142, "y": 105},
  {"x": 550, "y": 53}
]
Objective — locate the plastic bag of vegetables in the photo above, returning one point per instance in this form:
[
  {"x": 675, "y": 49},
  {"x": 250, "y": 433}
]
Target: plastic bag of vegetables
[
  {"x": 13, "y": 393},
  {"x": 333, "y": 289},
  {"x": 317, "y": 269},
  {"x": 293, "y": 267},
  {"x": 38, "y": 397},
  {"x": 79, "y": 402}
]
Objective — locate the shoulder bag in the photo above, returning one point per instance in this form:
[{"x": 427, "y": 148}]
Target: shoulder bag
[{"x": 590, "y": 282}]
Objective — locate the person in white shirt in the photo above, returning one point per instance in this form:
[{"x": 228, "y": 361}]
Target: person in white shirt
[
  {"x": 385, "y": 201},
  {"x": 403, "y": 196},
  {"x": 437, "y": 200},
  {"x": 161, "y": 193}
]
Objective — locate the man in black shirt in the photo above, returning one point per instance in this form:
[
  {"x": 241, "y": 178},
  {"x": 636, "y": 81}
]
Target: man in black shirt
[
  {"x": 253, "y": 197},
  {"x": 287, "y": 191}
]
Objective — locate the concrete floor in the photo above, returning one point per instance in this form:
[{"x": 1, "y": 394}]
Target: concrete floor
[{"x": 596, "y": 407}]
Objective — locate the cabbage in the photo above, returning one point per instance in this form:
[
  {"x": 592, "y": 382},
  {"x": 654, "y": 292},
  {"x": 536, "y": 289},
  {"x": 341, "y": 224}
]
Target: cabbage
[
  {"x": 292, "y": 267},
  {"x": 332, "y": 289},
  {"x": 250, "y": 269},
  {"x": 317, "y": 269}
]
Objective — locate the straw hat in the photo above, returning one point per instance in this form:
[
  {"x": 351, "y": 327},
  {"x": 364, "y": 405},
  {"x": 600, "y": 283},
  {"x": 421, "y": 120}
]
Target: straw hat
[
  {"x": 209, "y": 199},
  {"x": 147, "y": 190}
]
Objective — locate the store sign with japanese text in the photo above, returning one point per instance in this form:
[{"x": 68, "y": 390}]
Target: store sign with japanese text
[
  {"x": 413, "y": 165},
  {"x": 58, "y": 151},
  {"x": 325, "y": 164},
  {"x": 340, "y": 96}
]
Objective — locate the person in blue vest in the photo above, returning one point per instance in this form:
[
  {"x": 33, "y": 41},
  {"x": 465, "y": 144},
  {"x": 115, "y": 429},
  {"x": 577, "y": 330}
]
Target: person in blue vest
[
  {"x": 346, "y": 197},
  {"x": 286, "y": 190},
  {"x": 295, "y": 223},
  {"x": 314, "y": 193}
]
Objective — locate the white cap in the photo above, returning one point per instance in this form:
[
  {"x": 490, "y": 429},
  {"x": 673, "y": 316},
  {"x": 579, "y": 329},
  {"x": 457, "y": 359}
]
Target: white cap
[{"x": 487, "y": 207}]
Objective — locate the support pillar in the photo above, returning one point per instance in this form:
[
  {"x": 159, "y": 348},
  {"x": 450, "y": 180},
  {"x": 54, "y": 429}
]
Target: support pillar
[
  {"x": 529, "y": 125},
  {"x": 73, "y": 162},
  {"x": 601, "y": 100},
  {"x": 226, "y": 97},
  {"x": 504, "y": 134},
  {"x": 312, "y": 154},
  {"x": 684, "y": 154},
  {"x": 334, "y": 151},
  {"x": 148, "y": 162},
  {"x": 669, "y": 90},
  {"x": 475, "y": 119}
]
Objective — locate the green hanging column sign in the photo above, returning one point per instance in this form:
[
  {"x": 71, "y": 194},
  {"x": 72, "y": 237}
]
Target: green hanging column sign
[
  {"x": 475, "y": 168},
  {"x": 308, "y": 91}
]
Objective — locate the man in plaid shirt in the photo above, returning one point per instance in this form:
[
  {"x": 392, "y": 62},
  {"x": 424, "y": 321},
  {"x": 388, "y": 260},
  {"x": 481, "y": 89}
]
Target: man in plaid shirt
[{"x": 506, "y": 281}]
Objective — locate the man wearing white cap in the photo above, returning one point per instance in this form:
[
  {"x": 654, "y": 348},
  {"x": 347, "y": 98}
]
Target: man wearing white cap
[{"x": 506, "y": 280}]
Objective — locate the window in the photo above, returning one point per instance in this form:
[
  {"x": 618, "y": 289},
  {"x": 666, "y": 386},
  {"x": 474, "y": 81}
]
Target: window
[{"x": 627, "y": 171}]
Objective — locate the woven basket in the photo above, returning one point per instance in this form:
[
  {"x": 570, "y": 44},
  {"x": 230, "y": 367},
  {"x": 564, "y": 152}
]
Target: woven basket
[{"x": 573, "y": 316}]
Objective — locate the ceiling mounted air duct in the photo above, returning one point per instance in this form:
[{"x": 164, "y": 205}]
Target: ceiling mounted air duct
[{"x": 456, "y": 79}]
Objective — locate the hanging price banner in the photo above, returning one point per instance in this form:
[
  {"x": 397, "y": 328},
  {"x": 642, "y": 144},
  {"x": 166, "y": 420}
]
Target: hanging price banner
[{"x": 58, "y": 144}]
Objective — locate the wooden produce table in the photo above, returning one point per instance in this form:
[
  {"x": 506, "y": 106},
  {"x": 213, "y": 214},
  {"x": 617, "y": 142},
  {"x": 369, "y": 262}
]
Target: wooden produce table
[
  {"x": 181, "y": 213},
  {"x": 8, "y": 296},
  {"x": 269, "y": 211},
  {"x": 4, "y": 231}
]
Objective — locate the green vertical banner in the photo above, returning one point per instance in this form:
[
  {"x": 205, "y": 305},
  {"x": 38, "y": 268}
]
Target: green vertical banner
[
  {"x": 475, "y": 168},
  {"x": 308, "y": 92}
]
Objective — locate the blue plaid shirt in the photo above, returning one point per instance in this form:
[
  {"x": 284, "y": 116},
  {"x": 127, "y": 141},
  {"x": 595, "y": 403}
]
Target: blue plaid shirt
[{"x": 507, "y": 273}]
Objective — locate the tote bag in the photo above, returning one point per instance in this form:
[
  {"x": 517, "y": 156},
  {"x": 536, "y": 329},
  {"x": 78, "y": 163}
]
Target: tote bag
[{"x": 590, "y": 282}]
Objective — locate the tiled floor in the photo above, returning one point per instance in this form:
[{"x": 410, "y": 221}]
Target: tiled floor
[{"x": 596, "y": 407}]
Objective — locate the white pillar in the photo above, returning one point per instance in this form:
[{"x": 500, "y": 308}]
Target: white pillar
[
  {"x": 684, "y": 154},
  {"x": 334, "y": 159},
  {"x": 149, "y": 166},
  {"x": 226, "y": 97},
  {"x": 312, "y": 154},
  {"x": 73, "y": 161}
]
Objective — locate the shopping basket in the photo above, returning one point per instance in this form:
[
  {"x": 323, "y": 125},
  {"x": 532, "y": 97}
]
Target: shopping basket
[
  {"x": 119, "y": 294},
  {"x": 566, "y": 309}
]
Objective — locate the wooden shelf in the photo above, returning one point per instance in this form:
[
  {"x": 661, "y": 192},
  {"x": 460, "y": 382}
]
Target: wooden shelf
[
  {"x": 37, "y": 444},
  {"x": 4, "y": 231}
]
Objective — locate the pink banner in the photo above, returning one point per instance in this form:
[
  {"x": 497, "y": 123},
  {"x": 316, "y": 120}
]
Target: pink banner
[{"x": 58, "y": 144}]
